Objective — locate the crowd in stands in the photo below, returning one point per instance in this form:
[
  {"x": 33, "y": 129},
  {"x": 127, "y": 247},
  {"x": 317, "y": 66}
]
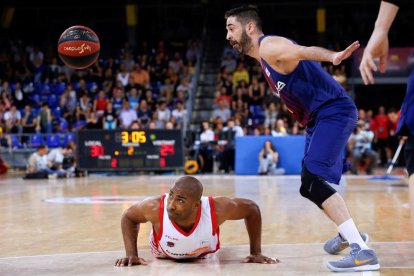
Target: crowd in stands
[{"x": 146, "y": 87}]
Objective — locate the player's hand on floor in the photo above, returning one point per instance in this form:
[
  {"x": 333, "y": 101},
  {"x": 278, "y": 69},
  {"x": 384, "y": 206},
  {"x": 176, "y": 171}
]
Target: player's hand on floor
[
  {"x": 259, "y": 258},
  {"x": 130, "y": 261}
]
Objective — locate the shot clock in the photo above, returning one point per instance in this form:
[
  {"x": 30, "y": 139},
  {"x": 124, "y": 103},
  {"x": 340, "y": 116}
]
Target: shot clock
[{"x": 129, "y": 150}]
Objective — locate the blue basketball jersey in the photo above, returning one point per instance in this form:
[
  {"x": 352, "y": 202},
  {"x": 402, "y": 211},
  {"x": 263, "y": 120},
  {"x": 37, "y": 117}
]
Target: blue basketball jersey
[
  {"x": 406, "y": 122},
  {"x": 305, "y": 89}
]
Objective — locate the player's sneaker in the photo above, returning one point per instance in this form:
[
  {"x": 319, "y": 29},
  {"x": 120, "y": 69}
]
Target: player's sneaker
[
  {"x": 337, "y": 243},
  {"x": 357, "y": 260}
]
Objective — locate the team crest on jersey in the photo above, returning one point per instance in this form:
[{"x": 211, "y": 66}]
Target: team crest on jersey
[{"x": 170, "y": 244}]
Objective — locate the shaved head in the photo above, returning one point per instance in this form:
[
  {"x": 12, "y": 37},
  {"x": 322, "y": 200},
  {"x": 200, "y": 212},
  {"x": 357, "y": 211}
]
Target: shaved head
[{"x": 191, "y": 185}]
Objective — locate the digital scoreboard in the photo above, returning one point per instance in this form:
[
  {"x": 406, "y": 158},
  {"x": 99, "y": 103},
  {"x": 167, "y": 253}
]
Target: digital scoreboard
[{"x": 129, "y": 150}]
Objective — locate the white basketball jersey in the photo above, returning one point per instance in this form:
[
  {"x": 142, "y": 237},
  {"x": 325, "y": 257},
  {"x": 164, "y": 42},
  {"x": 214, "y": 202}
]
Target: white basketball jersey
[{"x": 172, "y": 242}]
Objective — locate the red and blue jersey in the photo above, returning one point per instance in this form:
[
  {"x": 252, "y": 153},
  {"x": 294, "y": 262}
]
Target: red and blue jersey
[{"x": 305, "y": 89}]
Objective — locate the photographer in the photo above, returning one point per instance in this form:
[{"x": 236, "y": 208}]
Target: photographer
[
  {"x": 360, "y": 148},
  {"x": 268, "y": 159}
]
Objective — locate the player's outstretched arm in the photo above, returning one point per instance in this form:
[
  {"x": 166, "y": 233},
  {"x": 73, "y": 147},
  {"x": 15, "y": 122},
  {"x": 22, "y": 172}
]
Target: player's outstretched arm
[
  {"x": 280, "y": 49},
  {"x": 240, "y": 208},
  {"x": 378, "y": 44},
  {"x": 130, "y": 222}
]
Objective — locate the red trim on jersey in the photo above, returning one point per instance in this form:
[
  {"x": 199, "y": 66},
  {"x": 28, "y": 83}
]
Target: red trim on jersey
[
  {"x": 157, "y": 236},
  {"x": 218, "y": 239},
  {"x": 215, "y": 228},
  {"x": 178, "y": 228},
  {"x": 213, "y": 215}
]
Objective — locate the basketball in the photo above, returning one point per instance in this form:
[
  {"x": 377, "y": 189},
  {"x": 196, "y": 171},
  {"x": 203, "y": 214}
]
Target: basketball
[{"x": 78, "y": 47}]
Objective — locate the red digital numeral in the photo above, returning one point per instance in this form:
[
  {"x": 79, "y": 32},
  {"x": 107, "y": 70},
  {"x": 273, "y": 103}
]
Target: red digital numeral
[
  {"x": 114, "y": 163},
  {"x": 162, "y": 162},
  {"x": 97, "y": 151},
  {"x": 166, "y": 150}
]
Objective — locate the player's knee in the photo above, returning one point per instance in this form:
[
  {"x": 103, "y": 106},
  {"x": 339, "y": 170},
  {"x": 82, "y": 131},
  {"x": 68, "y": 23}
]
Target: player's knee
[{"x": 315, "y": 188}]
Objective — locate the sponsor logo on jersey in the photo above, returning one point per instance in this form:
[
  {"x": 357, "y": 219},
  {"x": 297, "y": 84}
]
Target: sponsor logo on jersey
[{"x": 280, "y": 86}]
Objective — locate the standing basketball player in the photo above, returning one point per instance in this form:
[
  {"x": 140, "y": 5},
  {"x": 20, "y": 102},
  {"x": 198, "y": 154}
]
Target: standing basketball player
[
  {"x": 378, "y": 48},
  {"x": 185, "y": 224},
  {"x": 318, "y": 102}
]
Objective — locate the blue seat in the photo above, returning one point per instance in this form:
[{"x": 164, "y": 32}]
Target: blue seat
[
  {"x": 44, "y": 98},
  {"x": 52, "y": 101},
  {"x": 91, "y": 86},
  {"x": 257, "y": 110},
  {"x": 64, "y": 126},
  {"x": 37, "y": 87},
  {"x": 257, "y": 115},
  {"x": 79, "y": 124},
  {"x": 58, "y": 88},
  {"x": 36, "y": 111},
  {"x": 53, "y": 140},
  {"x": 57, "y": 112},
  {"x": 75, "y": 85},
  {"x": 45, "y": 89},
  {"x": 15, "y": 140},
  {"x": 35, "y": 97},
  {"x": 36, "y": 140},
  {"x": 68, "y": 138}
]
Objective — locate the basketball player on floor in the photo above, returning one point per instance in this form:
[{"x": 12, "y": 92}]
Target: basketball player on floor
[
  {"x": 318, "y": 102},
  {"x": 378, "y": 48},
  {"x": 185, "y": 224}
]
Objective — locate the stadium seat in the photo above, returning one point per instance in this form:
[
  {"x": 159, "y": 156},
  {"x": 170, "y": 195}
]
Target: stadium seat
[
  {"x": 90, "y": 86},
  {"x": 35, "y": 97},
  {"x": 36, "y": 111},
  {"x": 45, "y": 89},
  {"x": 68, "y": 138},
  {"x": 57, "y": 112},
  {"x": 53, "y": 140},
  {"x": 53, "y": 101},
  {"x": 58, "y": 88},
  {"x": 15, "y": 139},
  {"x": 75, "y": 85},
  {"x": 257, "y": 115},
  {"x": 79, "y": 124},
  {"x": 36, "y": 140},
  {"x": 64, "y": 126}
]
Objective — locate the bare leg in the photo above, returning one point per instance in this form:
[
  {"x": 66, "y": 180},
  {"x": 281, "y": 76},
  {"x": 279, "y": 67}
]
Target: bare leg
[{"x": 336, "y": 209}]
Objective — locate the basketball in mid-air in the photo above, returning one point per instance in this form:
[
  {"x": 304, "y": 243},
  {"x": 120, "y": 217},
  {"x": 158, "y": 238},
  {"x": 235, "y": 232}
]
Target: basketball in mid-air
[{"x": 78, "y": 47}]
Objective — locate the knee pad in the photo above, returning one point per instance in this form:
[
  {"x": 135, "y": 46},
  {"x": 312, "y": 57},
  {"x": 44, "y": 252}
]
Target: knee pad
[{"x": 315, "y": 188}]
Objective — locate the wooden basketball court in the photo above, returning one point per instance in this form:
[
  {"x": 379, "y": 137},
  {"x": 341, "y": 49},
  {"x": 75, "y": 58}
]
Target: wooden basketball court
[{"x": 72, "y": 226}]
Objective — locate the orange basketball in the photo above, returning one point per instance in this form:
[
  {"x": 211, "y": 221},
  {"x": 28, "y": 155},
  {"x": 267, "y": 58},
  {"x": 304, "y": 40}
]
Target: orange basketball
[{"x": 78, "y": 47}]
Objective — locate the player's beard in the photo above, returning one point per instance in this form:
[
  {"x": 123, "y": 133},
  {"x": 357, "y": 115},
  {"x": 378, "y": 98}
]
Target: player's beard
[{"x": 245, "y": 44}]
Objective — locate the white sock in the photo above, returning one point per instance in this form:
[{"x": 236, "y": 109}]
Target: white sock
[{"x": 349, "y": 231}]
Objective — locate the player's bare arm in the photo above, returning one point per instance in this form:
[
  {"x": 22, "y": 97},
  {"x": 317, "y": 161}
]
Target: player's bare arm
[
  {"x": 378, "y": 44},
  {"x": 284, "y": 55},
  {"x": 240, "y": 208},
  {"x": 142, "y": 212}
]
